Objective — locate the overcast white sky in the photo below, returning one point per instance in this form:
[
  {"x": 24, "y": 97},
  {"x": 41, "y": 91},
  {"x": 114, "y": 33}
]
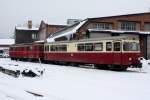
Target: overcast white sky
[{"x": 15, "y": 12}]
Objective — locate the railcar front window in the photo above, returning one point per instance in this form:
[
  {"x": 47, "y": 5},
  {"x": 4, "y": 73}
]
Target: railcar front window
[{"x": 131, "y": 46}]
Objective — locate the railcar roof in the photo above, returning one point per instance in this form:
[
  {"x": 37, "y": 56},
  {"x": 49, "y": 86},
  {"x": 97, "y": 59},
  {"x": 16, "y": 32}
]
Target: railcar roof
[
  {"x": 97, "y": 39},
  {"x": 25, "y": 44}
]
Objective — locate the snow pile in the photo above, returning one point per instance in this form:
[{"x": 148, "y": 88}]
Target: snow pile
[
  {"x": 145, "y": 65},
  {"x": 23, "y": 69}
]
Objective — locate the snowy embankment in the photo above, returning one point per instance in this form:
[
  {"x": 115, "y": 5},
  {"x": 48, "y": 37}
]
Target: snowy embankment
[{"x": 71, "y": 83}]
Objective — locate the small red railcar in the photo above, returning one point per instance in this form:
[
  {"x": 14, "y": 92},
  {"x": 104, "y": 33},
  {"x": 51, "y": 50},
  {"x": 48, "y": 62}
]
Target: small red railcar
[
  {"x": 32, "y": 51},
  {"x": 113, "y": 52}
]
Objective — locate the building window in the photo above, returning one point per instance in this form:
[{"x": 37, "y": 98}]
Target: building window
[
  {"x": 147, "y": 27},
  {"x": 103, "y": 26},
  {"x": 34, "y": 36},
  {"x": 128, "y": 26}
]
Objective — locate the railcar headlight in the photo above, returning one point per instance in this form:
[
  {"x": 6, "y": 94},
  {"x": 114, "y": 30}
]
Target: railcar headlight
[{"x": 130, "y": 58}]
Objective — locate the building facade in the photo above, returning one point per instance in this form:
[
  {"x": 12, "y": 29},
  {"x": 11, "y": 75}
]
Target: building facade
[
  {"x": 27, "y": 34},
  {"x": 46, "y": 30},
  {"x": 130, "y": 22}
]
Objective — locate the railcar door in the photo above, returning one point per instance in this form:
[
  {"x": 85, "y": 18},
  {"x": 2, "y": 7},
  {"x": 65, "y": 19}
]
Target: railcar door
[{"x": 117, "y": 48}]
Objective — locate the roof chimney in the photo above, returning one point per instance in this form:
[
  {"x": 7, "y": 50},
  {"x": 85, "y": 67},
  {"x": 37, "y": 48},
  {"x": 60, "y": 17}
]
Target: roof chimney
[{"x": 29, "y": 23}]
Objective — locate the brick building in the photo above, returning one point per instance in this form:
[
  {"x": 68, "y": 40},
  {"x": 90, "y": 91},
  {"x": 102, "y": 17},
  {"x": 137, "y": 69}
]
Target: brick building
[
  {"x": 26, "y": 34},
  {"x": 129, "y": 22},
  {"x": 46, "y": 30}
]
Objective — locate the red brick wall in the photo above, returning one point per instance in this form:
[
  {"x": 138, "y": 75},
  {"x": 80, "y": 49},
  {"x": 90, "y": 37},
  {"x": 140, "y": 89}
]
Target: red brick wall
[{"x": 140, "y": 19}]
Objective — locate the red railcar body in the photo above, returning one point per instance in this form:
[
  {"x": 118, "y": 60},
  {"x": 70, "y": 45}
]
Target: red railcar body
[
  {"x": 27, "y": 51},
  {"x": 124, "y": 59}
]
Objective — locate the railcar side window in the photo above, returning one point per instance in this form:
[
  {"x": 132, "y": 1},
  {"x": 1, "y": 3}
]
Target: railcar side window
[
  {"x": 41, "y": 48},
  {"x": 52, "y": 48},
  {"x": 11, "y": 48},
  {"x": 81, "y": 47},
  {"x": 88, "y": 47},
  {"x": 108, "y": 46},
  {"x": 117, "y": 46},
  {"x": 30, "y": 48},
  {"x": 131, "y": 46},
  {"x": 47, "y": 48},
  {"x": 61, "y": 48},
  {"x": 58, "y": 48},
  {"x": 98, "y": 46}
]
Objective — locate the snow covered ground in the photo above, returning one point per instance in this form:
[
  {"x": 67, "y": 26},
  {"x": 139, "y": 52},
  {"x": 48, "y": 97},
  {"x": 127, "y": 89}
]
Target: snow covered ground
[{"x": 71, "y": 83}]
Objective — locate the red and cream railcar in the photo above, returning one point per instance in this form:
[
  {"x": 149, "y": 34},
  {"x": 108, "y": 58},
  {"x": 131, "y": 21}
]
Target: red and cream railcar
[
  {"x": 32, "y": 51},
  {"x": 113, "y": 52}
]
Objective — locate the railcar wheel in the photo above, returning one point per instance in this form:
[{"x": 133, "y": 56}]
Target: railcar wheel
[
  {"x": 101, "y": 66},
  {"x": 74, "y": 64},
  {"x": 118, "y": 67}
]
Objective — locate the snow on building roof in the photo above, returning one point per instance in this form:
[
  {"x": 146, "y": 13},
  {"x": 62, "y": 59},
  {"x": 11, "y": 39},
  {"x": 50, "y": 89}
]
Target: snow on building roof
[
  {"x": 7, "y": 41},
  {"x": 66, "y": 32},
  {"x": 26, "y": 28},
  {"x": 119, "y": 31}
]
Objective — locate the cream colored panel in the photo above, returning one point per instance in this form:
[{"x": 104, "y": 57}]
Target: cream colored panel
[{"x": 71, "y": 47}]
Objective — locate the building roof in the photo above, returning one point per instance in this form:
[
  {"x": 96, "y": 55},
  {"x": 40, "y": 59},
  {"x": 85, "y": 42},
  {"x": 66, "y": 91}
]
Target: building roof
[
  {"x": 66, "y": 31},
  {"x": 125, "y": 15},
  {"x": 26, "y": 28},
  {"x": 7, "y": 41},
  {"x": 120, "y": 31},
  {"x": 53, "y": 25}
]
